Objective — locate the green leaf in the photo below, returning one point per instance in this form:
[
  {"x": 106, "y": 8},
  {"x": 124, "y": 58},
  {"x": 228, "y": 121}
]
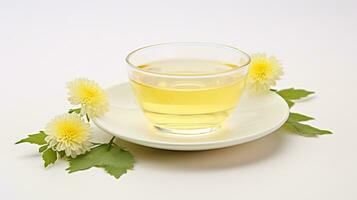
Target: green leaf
[
  {"x": 290, "y": 103},
  {"x": 306, "y": 130},
  {"x": 293, "y": 94},
  {"x": 49, "y": 156},
  {"x": 296, "y": 117},
  {"x": 115, "y": 171},
  {"x": 115, "y": 160},
  {"x": 75, "y": 110},
  {"x": 61, "y": 154},
  {"x": 38, "y": 138},
  {"x": 43, "y": 148}
]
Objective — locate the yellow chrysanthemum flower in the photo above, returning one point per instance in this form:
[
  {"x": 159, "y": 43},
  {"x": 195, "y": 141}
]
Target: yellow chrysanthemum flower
[
  {"x": 89, "y": 95},
  {"x": 69, "y": 133},
  {"x": 263, "y": 73}
]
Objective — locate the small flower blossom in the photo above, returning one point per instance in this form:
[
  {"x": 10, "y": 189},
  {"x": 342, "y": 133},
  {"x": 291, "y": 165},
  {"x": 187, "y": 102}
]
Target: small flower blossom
[
  {"x": 263, "y": 73},
  {"x": 69, "y": 133},
  {"x": 89, "y": 95}
]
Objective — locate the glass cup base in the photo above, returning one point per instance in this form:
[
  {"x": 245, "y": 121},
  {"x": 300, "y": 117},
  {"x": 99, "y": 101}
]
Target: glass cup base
[{"x": 187, "y": 132}]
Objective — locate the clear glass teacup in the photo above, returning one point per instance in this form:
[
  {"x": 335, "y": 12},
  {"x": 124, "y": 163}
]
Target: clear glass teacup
[{"x": 187, "y": 88}]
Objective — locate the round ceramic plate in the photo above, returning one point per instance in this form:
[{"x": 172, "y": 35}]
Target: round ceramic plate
[{"x": 255, "y": 117}]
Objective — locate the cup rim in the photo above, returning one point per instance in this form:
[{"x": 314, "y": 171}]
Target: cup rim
[{"x": 223, "y": 73}]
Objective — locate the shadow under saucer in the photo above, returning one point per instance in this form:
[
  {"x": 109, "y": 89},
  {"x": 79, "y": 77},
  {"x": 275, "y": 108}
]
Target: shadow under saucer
[{"x": 230, "y": 157}]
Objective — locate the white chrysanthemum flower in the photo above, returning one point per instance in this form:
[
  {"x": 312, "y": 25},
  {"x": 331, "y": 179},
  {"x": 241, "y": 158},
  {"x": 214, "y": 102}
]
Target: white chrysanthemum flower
[
  {"x": 263, "y": 73},
  {"x": 69, "y": 133},
  {"x": 89, "y": 95}
]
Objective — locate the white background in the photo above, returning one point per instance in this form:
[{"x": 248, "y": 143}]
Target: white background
[{"x": 44, "y": 44}]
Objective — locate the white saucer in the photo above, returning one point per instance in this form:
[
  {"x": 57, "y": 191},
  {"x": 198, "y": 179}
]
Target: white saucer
[{"x": 254, "y": 118}]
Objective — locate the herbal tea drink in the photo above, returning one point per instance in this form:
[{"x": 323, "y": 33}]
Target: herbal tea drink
[
  {"x": 187, "y": 95},
  {"x": 189, "y": 104}
]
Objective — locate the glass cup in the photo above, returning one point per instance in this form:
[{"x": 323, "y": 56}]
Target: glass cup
[{"x": 187, "y": 88}]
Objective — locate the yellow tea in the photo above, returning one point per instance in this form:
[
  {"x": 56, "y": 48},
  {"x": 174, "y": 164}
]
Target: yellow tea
[{"x": 190, "y": 103}]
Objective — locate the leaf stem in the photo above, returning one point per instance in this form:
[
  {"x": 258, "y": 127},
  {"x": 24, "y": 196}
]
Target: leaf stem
[
  {"x": 111, "y": 143},
  {"x": 87, "y": 117}
]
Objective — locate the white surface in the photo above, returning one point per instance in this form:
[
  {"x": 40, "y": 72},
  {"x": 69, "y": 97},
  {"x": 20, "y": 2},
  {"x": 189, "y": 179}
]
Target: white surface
[
  {"x": 255, "y": 117},
  {"x": 43, "y": 44}
]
